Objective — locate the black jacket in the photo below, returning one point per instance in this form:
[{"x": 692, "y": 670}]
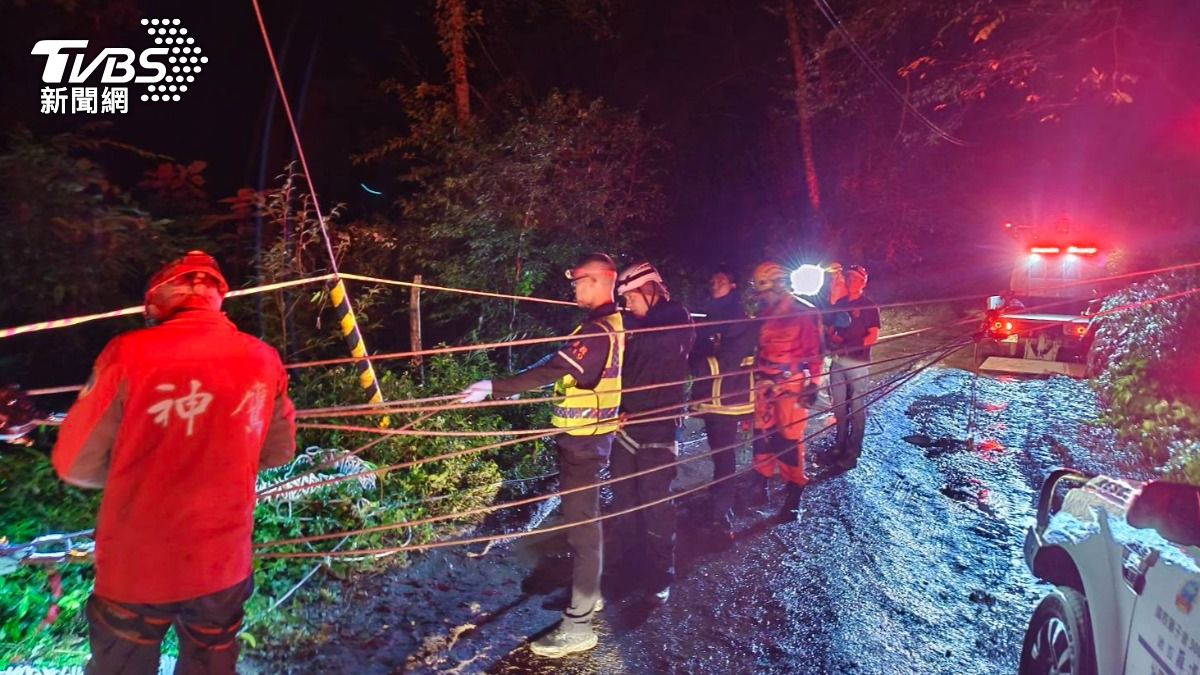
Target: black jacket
[
  {"x": 652, "y": 358},
  {"x": 731, "y": 344},
  {"x": 583, "y": 358}
]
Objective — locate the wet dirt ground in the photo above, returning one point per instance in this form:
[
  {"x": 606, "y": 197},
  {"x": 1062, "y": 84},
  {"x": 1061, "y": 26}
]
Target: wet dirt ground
[{"x": 910, "y": 563}]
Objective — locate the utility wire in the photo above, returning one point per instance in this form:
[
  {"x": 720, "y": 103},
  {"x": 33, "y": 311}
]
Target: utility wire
[{"x": 865, "y": 58}]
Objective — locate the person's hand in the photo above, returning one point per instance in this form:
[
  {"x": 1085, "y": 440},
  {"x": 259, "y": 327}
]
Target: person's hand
[{"x": 476, "y": 392}]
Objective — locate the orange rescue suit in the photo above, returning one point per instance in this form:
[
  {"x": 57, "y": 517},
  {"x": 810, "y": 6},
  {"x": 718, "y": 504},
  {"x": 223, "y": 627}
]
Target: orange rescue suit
[{"x": 789, "y": 360}]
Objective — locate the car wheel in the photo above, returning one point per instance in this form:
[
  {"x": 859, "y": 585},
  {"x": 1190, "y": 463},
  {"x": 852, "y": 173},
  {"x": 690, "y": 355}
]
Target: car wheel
[{"x": 1059, "y": 638}]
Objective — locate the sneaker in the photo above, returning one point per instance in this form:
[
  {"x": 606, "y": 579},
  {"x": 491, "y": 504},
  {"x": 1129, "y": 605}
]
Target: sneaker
[{"x": 563, "y": 641}]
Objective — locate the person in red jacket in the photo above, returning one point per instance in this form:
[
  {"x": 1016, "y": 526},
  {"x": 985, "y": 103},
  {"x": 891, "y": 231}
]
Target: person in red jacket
[
  {"x": 174, "y": 425},
  {"x": 789, "y": 364}
]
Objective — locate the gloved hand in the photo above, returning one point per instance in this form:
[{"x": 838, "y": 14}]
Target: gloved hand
[{"x": 476, "y": 392}]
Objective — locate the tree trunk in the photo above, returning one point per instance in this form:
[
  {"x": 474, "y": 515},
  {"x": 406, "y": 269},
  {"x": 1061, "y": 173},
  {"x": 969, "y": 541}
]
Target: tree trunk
[
  {"x": 792, "y": 16},
  {"x": 452, "y": 26}
]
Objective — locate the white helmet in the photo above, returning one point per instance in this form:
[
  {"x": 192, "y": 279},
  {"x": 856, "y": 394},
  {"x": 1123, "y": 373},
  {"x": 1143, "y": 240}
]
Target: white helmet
[{"x": 636, "y": 276}]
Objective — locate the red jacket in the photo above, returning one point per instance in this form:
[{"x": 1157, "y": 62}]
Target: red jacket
[
  {"x": 789, "y": 339},
  {"x": 174, "y": 424}
]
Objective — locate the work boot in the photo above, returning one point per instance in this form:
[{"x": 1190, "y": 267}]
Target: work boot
[
  {"x": 566, "y": 638},
  {"x": 791, "y": 505},
  {"x": 847, "y": 460},
  {"x": 759, "y": 493},
  {"x": 725, "y": 525}
]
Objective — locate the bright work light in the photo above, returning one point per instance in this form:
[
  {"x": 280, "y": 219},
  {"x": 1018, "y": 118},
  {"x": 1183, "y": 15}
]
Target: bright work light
[{"x": 808, "y": 279}]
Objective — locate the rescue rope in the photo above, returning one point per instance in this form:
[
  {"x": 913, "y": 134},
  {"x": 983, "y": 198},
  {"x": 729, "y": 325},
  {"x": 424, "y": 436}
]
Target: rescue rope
[
  {"x": 552, "y": 339},
  {"x": 538, "y": 498},
  {"x": 637, "y": 419},
  {"x": 329, "y": 463},
  {"x": 127, "y": 311},
  {"x": 367, "y": 410},
  {"x": 516, "y": 535}
]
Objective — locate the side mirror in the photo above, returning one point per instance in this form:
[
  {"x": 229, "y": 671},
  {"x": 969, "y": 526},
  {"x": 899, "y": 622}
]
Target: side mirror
[
  {"x": 995, "y": 302},
  {"x": 1171, "y": 509}
]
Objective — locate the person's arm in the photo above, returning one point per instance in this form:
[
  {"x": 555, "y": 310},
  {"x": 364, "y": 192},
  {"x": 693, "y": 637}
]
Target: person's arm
[
  {"x": 549, "y": 369},
  {"x": 583, "y": 358},
  {"x": 873, "y": 326},
  {"x": 83, "y": 451},
  {"x": 279, "y": 445}
]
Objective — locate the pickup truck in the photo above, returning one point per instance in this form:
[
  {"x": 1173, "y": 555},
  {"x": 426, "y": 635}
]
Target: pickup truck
[{"x": 1123, "y": 559}]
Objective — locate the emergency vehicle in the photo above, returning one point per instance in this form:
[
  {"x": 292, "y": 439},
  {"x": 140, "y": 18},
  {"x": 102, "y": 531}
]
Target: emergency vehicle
[
  {"x": 1124, "y": 559},
  {"x": 1043, "y": 324}
]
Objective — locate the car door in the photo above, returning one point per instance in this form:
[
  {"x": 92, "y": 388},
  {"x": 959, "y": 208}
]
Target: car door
[{"x": 1164, "y": 637}]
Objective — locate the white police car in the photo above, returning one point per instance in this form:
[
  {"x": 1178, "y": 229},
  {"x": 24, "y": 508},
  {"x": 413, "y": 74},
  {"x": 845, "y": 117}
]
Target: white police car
[{"x": 1124, "y": 558}]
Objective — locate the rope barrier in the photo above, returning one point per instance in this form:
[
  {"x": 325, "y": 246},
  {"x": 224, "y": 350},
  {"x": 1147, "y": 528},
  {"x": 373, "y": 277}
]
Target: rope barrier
[
  {"x": 531, "y": 500},
  {"x": 1031, "y": 330},
  {"x": 139, "y": 309},
  {"x": 329, "y": 463},
  {"x": 532, "y": 341},
  {"x": 460, "y": 291},
  {"x": 547, "y": 340},
  {"x": 565, "y": 526},
  {"x": 73, "y": 321},
  {"x": 400, "y": 407},
  {"x": 489, "y": 447}
]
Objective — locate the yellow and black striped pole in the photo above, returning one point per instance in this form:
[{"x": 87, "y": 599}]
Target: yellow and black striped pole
[{"x": 358, "y": 349}]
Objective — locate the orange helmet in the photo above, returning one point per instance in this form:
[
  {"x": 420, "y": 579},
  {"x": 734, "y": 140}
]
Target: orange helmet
[{"x": 768, "y": 275}]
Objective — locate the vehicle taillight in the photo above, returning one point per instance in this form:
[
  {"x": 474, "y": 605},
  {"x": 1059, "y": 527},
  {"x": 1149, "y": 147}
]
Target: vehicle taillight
[
  {"x": 1081, "y": 330},
  {"x": 1008, "y": 326}
]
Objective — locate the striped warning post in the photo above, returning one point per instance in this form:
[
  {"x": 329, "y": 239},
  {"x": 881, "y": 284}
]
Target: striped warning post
[{"x": 354, "y": 340}]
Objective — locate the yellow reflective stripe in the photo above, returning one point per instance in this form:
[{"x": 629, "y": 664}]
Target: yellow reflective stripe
[
  {"x": 716, "y": 406},
  {"x": 714, "y": 368},
  {"x": 582, "y": 412}
]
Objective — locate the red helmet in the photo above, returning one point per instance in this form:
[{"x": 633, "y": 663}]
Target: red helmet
[{"x": 194, "y": 262}]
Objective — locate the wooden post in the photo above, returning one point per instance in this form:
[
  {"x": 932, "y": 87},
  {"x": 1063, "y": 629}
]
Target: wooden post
[{"x": 414, "y": 320}]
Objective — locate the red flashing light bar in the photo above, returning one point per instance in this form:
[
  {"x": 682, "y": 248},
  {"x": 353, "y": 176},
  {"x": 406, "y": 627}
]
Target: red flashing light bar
[{"x": 1076, "y": 250}]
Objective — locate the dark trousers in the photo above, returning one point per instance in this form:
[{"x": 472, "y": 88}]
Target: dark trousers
[
  {"x": 848, "y": 381},
  {"x": 722, "y": 431},
  {"x": 652, "y": 527},
  {"x": 126, "y": 637},
  {"x": 580, "y": 459}
]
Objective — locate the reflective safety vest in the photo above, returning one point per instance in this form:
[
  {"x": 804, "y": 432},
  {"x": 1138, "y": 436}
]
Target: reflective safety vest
[
  {"x": 590, "y": 412},
  {"x": 715, "y": 406}
]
